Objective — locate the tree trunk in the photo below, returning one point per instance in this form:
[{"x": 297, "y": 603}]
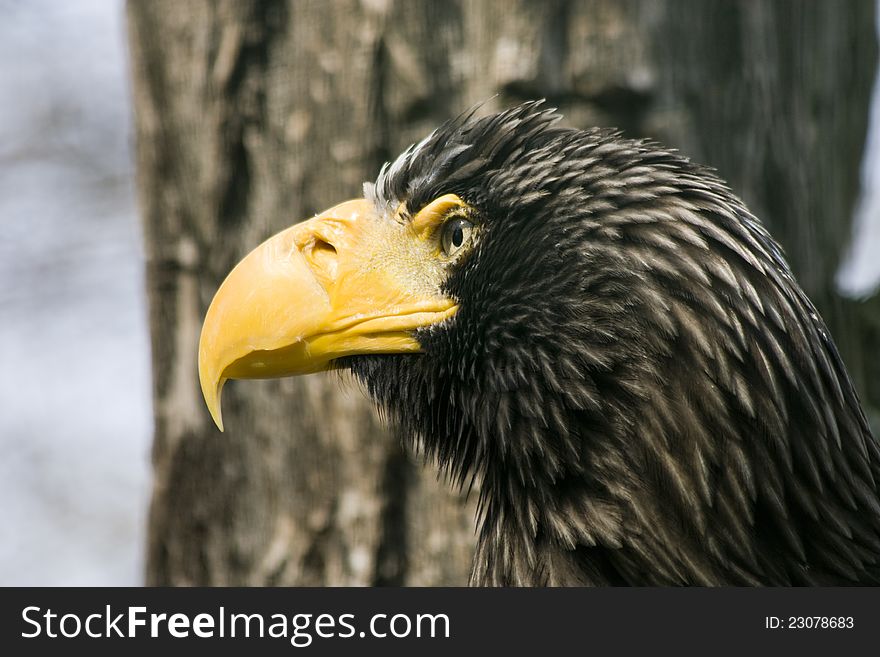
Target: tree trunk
[{"x": 253, "y": 115}]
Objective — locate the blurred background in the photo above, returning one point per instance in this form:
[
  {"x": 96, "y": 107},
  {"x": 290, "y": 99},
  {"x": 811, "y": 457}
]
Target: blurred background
[
  {"x": 249, "y": 116},
  {"x": 76, "y": 422}
]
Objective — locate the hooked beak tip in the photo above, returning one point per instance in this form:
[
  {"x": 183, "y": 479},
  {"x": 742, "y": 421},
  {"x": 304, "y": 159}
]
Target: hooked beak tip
[
  {"x": 214, "y": 406},
  {"x": 212, "y": 388}
]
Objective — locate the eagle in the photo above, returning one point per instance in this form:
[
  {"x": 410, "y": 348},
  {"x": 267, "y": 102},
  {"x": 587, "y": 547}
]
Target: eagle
[{"x": 598, "y": 333}]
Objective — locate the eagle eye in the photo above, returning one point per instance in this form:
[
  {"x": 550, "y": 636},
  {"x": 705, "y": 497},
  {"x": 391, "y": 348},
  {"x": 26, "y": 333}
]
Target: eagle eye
[{"x": 455, "y": 234}]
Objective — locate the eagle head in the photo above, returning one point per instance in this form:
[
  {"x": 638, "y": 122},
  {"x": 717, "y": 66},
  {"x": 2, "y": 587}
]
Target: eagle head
[{"x": 597, "y": 331}]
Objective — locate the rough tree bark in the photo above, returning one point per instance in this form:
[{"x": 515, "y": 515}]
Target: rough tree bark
[{"x": 252, "y": 115}]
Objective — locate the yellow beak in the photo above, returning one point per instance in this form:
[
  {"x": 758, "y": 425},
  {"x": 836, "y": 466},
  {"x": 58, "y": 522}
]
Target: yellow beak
[{"x": 323, "y": 289}]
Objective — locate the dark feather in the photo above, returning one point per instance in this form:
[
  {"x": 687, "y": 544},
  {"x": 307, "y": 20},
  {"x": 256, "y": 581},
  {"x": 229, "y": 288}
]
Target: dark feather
[{"x": 642, "y": 390}]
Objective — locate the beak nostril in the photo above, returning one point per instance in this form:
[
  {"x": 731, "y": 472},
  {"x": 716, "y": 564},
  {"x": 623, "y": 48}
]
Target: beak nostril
[
  {"x": 322, "y": 246},
  {"x": 323, "y": 257}
]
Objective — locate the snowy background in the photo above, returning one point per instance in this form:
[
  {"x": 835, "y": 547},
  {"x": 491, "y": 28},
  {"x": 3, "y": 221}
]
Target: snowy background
[{"x": 75, "y": 417}]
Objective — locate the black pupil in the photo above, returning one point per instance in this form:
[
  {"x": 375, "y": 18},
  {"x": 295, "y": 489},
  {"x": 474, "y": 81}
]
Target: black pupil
[{"x": 457, "y": 236}]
